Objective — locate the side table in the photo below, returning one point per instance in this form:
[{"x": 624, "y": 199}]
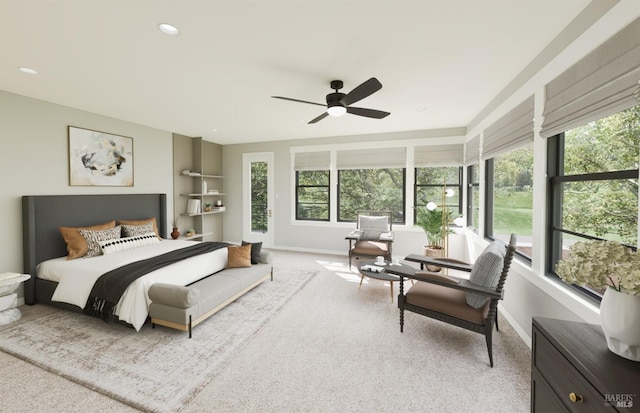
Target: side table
[{"x": 9, "y": 283}]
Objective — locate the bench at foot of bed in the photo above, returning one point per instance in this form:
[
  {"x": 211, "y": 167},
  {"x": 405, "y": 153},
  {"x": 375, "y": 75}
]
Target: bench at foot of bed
[{"x": 183, "y": 308}]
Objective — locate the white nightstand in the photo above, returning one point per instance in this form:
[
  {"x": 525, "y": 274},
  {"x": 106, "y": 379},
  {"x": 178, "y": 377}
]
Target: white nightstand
[{"x": 9, "y": 298}]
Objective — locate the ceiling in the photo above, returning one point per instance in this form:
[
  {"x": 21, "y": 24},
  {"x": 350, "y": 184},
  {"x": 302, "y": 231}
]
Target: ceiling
[{"x": 440, "y": 62}]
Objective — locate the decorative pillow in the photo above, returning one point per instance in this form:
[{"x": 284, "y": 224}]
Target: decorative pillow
[
  {"x": 76, "y": 244},
  {"x": 122, "y": 244},
  {"x": 140, "y": 222},
  {"x": 93, "y": 239},
  {"x": 372, "y": 227},
  {"x": 255, "y": 251},
  {"x": 137, "y": 230},
  {"x": 238, "y": 257},
  {"x": 486, "y": 271}
]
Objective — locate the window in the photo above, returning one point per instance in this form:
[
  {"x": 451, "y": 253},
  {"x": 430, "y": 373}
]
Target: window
[
  {"x": 430, "y": 184},
  {"x": 510, "y": 197},
  {"x": 312, "y": 195},
  {"x": 473, "y": 196},
  {"x": 371, "y": 189},
  {"x": 593, "y": 181}
]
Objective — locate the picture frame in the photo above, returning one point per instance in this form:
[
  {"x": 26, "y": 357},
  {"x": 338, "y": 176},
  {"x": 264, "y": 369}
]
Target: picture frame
[{"x": 99, "y": 158}]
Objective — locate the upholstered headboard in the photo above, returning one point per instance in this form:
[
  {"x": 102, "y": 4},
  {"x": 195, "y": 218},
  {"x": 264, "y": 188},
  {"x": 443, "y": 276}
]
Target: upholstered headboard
[{"x": 42, "y": 215}]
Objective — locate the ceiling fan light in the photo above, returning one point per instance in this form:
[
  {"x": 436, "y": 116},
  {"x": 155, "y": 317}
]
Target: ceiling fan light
[{"x": 336, "y": 110}]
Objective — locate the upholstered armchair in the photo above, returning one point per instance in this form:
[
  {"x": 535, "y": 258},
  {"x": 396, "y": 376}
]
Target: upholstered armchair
[
  {"x": 468, "y": 303},
  {"x": 372, "y": 237}
]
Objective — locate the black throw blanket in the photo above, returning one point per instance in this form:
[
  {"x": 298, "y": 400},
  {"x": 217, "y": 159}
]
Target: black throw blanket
[{"x": 108, "y": 289}]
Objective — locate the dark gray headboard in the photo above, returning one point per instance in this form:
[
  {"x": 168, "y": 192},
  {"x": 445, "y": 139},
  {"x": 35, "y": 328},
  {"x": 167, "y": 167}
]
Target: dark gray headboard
[{"x": 42, "y": 215}]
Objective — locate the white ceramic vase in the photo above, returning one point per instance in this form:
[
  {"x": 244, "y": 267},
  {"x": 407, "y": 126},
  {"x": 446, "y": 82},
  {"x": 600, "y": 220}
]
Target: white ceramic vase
[{"x": 620, "y": 318}]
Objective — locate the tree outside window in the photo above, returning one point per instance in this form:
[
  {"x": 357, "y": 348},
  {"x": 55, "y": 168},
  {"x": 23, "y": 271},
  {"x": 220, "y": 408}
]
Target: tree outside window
[{"x": 371, "y": 189}]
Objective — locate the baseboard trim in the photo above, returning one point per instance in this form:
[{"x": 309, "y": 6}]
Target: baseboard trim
[{"x": 512, "y": 321}]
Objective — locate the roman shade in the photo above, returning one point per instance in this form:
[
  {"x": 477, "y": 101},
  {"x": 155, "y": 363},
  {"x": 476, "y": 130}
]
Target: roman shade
[
  {"x": 511, "y": 131},
  {"x": 429, "y": 155},
  {"x": 602, "y": 83},
  {"x": 371, "y": 158},
  {"x": 312, "y": 161},
  {"x": 472, "y": 151}
]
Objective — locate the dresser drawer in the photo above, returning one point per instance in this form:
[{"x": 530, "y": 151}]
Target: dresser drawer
[{"x": 565, "y": 380}]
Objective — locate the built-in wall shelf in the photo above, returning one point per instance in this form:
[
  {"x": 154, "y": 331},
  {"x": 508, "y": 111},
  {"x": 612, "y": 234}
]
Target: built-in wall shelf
[
  {"x": 215, "y": 210},
  {"x": 209, "y": 194},
  {"x": 199, "y": 175}
]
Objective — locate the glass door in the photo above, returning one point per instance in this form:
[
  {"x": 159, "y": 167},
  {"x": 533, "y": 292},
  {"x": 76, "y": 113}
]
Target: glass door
[{"x": 258, "y": 198}]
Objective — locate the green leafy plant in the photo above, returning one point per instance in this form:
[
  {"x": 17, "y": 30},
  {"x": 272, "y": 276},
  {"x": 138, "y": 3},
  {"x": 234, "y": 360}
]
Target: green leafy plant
[
  {"x": 431, "y": 221},
  {"x": 598, "y": 264}
]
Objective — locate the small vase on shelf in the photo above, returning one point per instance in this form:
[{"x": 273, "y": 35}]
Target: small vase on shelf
[{"x": 175, "y": 233}]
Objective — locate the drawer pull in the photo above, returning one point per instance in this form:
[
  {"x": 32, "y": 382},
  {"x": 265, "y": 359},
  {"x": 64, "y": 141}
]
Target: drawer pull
[{"x": 575, "y": 398}]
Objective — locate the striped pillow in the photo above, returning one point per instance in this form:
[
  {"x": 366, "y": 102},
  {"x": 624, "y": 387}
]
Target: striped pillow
[
  {"x": 486, "y": 271},
  {"x": 123, "y": 244}
]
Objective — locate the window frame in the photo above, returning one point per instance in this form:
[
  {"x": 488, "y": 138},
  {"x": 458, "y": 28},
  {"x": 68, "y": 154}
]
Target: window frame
[
  {"x": 328, "y": 187},
  {"x": 416, "y": 186},
  {"x": 473, "y": 185},
  {"x": 555, "y": 180}
]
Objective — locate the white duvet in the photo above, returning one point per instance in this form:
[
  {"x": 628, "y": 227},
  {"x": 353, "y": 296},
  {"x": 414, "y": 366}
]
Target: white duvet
[{"x": 76, "y": 278}]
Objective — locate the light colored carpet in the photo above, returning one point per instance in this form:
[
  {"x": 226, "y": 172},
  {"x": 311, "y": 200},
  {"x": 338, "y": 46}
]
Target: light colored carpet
[
  {"x": 334, "y": 347},
  {"x": 158, "y": 370}
]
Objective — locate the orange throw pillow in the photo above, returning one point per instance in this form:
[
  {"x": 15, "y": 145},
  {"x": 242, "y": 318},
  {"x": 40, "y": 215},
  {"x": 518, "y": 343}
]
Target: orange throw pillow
[
  {"x": 76, "y": 244},
  {"x": 238, "y": 257}
]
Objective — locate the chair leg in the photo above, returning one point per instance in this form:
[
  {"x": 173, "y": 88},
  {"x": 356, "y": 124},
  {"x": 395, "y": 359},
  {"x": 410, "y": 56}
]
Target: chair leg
[
  {"x": 391, "y": 286},
  {"x": 488, "y": 336},
  {"x": 497, "y": 329},
  {"x": 361, "y": 279}
]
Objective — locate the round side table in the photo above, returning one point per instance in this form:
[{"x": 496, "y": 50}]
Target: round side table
[{"x": 9, "y": 298}]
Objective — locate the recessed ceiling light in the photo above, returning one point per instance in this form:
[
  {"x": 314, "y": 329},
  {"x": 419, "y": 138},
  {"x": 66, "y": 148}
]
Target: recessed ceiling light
[
  {"x": 214, "y": 130},
  {"x": 169, "y": 29},
  {"x": 420, "y": 108},
  {"x": 28, "y": 70}
]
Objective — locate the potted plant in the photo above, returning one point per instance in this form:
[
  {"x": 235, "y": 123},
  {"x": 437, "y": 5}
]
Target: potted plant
[
  {"x": 207, "y": 207},
  {"x": 616, "y": 268},
  {"x": 434, "y": 223}
]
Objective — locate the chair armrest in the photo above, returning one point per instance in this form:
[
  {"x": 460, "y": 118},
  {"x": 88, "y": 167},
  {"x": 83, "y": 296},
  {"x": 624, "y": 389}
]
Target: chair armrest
[
  {"x": 440, "y": 262},
  {"x": 448, "y": 281},
  {"x": 354, "y": 235},
  {"x": 386, "y": 236}
]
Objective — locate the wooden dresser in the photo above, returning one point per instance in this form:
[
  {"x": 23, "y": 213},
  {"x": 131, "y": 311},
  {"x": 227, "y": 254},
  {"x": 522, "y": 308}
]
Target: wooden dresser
[{"x": 572, "y": 370}]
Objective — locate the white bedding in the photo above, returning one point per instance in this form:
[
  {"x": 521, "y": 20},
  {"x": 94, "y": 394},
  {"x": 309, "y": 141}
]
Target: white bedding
[{"x": 76, "y": 278}]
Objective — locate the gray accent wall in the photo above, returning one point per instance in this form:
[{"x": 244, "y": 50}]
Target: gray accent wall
[{"x": 35, "y": 161}]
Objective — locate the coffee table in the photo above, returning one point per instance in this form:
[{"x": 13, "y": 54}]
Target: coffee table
[{"x": 388, "y": 274}]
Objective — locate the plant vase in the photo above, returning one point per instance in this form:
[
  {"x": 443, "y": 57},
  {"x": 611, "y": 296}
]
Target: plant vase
[
  {"x": 433, "y": 252},
  {"x": 620, "y": 319},
  {"x": 175, "y": 233}
]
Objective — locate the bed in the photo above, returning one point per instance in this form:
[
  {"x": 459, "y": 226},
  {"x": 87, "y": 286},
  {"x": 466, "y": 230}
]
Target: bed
[{"x": 43, "y": 243}]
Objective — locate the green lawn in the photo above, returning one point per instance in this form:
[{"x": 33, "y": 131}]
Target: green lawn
[{"x": 513, "y": 213}]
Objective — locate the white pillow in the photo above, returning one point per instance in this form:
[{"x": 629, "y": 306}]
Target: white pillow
[{"x": 127, "y": 243}]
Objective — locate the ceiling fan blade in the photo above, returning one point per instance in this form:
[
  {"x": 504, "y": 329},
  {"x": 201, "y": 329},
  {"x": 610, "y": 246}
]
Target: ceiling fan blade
[
  {"x": 301, "y": 101},
  {"x": 369, "y": 113},
  {"x": 362, "y": 91},
  {"x": 319, "y": 118}
]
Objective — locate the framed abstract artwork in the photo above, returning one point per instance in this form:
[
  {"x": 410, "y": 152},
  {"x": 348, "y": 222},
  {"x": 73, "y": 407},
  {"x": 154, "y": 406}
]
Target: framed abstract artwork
[{"x": 99, "y": 158}]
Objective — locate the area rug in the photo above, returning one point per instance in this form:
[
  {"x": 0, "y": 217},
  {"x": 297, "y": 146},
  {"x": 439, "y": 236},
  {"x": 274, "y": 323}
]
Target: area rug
[{"x": 155, "y": 370}]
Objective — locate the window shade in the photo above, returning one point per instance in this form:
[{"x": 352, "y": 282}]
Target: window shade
[
  {"x": 371, "y": 158},
  {"x": 312, "y": 161},
  {"x": 438, "y": 155},
  {"x": 472, "y": 151},
  {"x": 601, "y": 84},
  {"x": 510, "y": 131}
]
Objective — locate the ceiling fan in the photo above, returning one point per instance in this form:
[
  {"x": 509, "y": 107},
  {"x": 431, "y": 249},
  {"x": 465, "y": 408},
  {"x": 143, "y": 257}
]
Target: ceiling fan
[{"x": 338, "y": 103}]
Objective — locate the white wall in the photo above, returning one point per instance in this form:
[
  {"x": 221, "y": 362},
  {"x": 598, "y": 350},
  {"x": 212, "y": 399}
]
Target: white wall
[{"x": 35, "y": 161}]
